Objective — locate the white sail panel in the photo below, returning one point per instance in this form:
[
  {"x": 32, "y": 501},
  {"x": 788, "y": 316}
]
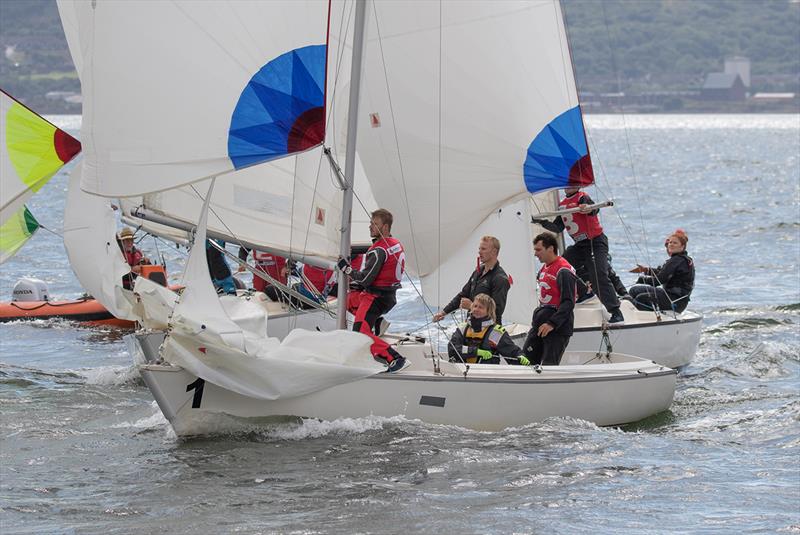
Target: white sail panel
[
  {"x": 454, "y": 94},
  {"x": 292, "y": 205},
  {"x": 175, "y": 92},
  {"x": 91, "y": 242}
]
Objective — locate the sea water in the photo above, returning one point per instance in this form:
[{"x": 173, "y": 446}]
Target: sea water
[{"x": 84, "y": 449}]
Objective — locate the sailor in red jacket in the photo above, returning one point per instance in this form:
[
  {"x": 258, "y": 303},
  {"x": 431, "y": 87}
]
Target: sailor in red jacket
[
  {"x": 553, "y": 319},
  {"x": 376, "y": 284},
  {"x": 590, "y": 249},
  {"x": 133, "y": 256},
  {"x": 271, "y": 264}
]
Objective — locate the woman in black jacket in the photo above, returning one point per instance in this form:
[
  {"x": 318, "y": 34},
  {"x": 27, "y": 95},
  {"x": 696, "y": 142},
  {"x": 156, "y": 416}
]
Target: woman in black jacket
[{"x": 670, "y": 284}]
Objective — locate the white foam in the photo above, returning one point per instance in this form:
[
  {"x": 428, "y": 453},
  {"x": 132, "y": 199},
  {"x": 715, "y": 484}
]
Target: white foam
[
  {"x": 318, "y": 428},
  {"x": 109, "y": 375}
]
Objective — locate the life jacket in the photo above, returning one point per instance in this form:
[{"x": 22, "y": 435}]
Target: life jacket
[
  {"x": 319, "y": 277},
  {"x": 391, "y": 274},
  {"x": 272, "y": 264},
  {"x": 133, "y": 257},
  {"x": 487, "y": 337},
  {"x": 579, "y": 226},
  {"x": 358, "y": 262},
  {"x": 549, "y": 291}
]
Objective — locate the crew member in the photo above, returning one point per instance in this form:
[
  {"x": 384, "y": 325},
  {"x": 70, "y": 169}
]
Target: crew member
[
  {"x": 488, "y": 278},
  {"x": 590, "y": 248},
  {"x": 218, "y": 268},
  {"x": 316, "y": 283},
  {"x": 553, "y": 319},
  {"x": 670, "y": 284},
  {"x": 376, "y": 285},
  {"x": 481, "y": 339},
  {"x": 133, "y": 256},
  {"x": 273, "y": 265}
]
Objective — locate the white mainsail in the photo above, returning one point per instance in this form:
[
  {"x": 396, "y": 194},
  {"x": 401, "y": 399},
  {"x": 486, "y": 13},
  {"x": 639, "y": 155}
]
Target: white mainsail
[{"x": 454, "y": 95}]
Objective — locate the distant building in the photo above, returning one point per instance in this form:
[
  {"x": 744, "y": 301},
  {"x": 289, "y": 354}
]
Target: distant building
[
  {"x": 741, "y": 66},
  {"x": 723, "y": 86}
]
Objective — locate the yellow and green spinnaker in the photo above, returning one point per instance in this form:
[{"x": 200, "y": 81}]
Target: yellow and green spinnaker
[{"x": 32, "y": 150}]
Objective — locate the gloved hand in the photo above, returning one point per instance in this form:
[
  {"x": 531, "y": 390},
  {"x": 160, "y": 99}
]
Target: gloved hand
[
  {"x": 344, "y": 266},
  {"x": 537, "y": 221},
  {"x": 484, "y": 354},
  {"x": 524, "y": 360}
]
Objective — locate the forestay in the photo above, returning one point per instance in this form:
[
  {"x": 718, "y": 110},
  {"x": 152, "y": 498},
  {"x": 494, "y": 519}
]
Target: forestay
[{"x": 466, "y": 107}]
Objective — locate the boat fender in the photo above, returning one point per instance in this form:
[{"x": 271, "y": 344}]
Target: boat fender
[{"x": 30, "y": 289}]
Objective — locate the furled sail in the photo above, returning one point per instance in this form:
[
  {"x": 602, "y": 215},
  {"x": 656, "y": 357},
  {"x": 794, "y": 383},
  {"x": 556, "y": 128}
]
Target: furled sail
[
  {"x": 31, "y": 151},
  {"x": 466, "y": 107},
  {"x": 224, "y": 341}
]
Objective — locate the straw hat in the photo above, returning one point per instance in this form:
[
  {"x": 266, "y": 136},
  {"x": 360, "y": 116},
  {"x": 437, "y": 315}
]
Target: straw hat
[{"x": 126, "y": 234}]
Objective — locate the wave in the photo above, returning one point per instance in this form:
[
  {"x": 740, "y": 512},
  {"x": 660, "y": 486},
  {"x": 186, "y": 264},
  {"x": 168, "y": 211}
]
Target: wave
[{"x": 111, "y": 375}]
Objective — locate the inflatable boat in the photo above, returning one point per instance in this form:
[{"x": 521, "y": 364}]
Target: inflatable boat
[{"x": 31, "y": 301}]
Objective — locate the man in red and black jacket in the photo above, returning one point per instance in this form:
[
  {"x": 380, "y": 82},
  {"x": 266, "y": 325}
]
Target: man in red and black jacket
[
  {"x": 590, "y": 249},
  {"x": 553, "y": 319},
  {"x": 375, "y": 285}
]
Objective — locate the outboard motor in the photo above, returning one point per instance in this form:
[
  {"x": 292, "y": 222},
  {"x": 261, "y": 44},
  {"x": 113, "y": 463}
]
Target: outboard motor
[{"x": 28, "y": 289}]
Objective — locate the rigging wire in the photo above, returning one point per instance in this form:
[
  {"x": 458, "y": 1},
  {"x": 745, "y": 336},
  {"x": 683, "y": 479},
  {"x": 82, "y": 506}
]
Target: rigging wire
[{"x": 625, "y": 129}]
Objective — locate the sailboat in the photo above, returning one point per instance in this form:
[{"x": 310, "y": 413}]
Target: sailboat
[{"x": 445, "y": 119}]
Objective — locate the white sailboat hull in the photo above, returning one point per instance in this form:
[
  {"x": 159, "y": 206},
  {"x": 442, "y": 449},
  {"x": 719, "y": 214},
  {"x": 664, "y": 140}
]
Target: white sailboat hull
[
  {"x": 488, "y": 397},
  {"x": 670, "y": 340}
]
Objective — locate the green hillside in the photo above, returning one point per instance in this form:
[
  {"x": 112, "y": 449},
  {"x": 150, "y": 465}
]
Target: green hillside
[
  {"x": 669, "y": 41},
  {"x": 628, "y": 45}
]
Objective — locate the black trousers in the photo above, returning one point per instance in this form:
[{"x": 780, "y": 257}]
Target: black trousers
[
  {"x": 593, "y": 254},
  {"x": 544, "y": 350},
  {"x": 645, "y": 296}
]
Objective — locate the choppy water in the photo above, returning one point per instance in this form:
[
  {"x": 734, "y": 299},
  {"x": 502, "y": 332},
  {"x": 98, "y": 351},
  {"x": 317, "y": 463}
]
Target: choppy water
[{"x": 84, "y": 449}]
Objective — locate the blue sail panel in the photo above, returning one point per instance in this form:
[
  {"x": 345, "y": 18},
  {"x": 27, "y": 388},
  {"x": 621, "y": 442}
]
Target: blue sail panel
[
  {"x": 558, "y": 156},
  {"x": 281, "y": 110}
]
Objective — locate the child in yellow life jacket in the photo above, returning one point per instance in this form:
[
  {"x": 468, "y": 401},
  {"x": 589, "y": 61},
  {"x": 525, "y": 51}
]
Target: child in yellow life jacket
[{"x": 481, "y": 340}]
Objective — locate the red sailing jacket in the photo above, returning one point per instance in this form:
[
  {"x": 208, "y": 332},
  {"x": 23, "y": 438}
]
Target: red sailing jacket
[
  {"x": 579, "y": 226},
  {"x": 391, "y": 273},
  {"x": 272, "y": 264},
  {"x": 549, "y": 292}
]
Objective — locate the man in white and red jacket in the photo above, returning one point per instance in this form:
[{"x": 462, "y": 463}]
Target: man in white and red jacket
[
  {"x": 553, "y": 319},
  {"x": 590, "y": 249},
  {"x": 375, "y": 285}
]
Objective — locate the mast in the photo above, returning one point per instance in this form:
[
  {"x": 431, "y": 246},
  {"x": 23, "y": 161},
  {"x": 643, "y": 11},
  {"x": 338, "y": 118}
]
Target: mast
[{"x": 350, "y": 157}]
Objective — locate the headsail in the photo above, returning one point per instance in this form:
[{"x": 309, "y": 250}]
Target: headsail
[
  {"x": 31, "y": 151},
  {"x": 449, "y": 118}
]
